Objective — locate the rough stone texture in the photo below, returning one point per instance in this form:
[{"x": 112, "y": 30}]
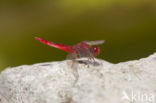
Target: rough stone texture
[{"x": 72, "y": 82}]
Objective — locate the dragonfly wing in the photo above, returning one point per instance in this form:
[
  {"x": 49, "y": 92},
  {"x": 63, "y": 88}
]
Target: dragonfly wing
[
  {"x": 95, "y": 42},
  {"x": 72, "y": 55},
  {"x": 59, "y": 46},
  {"x": 83, "y": 50}
]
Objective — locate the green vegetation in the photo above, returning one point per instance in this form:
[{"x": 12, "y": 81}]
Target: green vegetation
[{"x": 127, "y": 26}]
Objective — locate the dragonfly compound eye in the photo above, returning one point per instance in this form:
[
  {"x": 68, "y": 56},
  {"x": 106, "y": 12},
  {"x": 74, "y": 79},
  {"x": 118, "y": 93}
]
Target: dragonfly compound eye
[{"x": 96, "y": 50}]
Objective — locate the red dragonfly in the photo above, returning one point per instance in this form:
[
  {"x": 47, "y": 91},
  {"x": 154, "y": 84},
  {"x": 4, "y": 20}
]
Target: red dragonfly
[{"x": 82, "y": 49}]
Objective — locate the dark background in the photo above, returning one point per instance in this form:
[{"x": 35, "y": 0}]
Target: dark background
[{"x": 128, "y": 26}]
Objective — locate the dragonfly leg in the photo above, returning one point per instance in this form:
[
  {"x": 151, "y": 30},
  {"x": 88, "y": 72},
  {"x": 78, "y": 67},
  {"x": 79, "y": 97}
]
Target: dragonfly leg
[{"x": 91, "y": 58}]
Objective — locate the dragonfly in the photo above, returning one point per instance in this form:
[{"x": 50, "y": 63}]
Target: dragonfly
[{"x": 82, "y": 49}]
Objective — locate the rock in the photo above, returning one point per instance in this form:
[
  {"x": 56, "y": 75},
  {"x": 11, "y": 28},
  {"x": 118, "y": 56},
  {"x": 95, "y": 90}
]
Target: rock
[{"x": 81, "y": 81}]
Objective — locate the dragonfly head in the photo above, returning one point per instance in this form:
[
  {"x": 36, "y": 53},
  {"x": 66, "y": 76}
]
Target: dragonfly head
[{"x": 96, "y": 50}]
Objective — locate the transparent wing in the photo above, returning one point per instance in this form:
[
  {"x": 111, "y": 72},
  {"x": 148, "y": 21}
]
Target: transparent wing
[{"x": 98, "y": 42}]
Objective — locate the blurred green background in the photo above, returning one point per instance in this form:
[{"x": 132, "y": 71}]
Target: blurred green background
[{"x": 128, "y": 26}]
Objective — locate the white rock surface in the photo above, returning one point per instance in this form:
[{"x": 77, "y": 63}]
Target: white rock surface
[{"x": 72, "y": 82}]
